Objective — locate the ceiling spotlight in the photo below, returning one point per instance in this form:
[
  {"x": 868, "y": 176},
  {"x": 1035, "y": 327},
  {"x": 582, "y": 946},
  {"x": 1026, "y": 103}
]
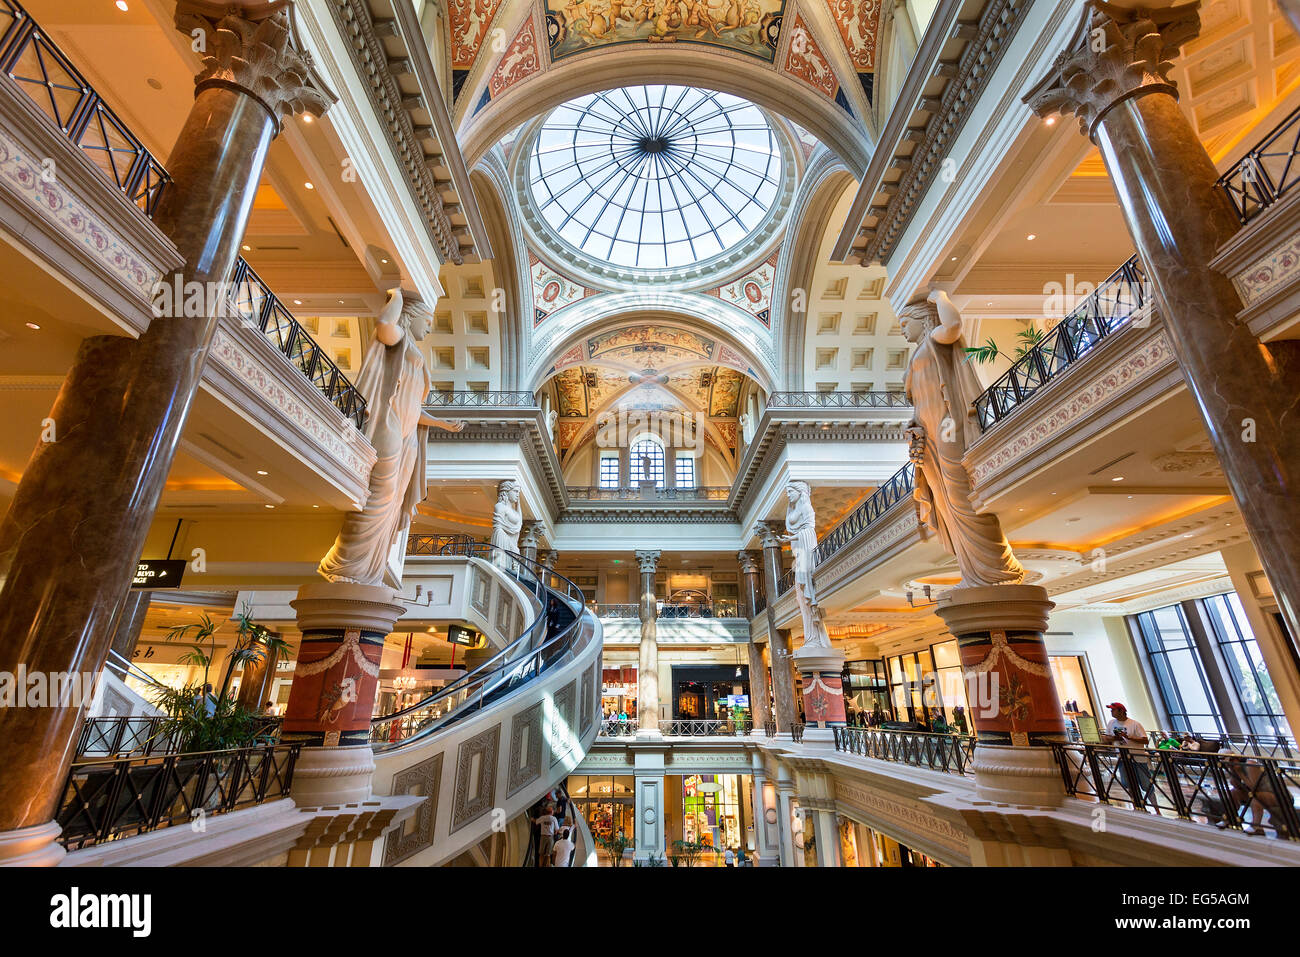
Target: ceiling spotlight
[
  {"x": 247, "y": 248},
  {"x": 32, "y": 325},
  {"x": 1118, "y": 478},
  {"x": 384, "y": 261},
  {"x": 954, "y": 259},
  {"x": 307, "y": 117},
  {"x": 268, "y": 506},
  {"x": 1050, "y": 121},
  {"x": 1031, "y": 237},
  {"x": 121, "y": 5},
  {"x": 315, "y": 506},
  {"x": 263, "y": 472}
]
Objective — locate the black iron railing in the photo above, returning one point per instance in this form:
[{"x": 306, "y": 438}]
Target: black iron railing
[
  {"x": 896, "y": 488},
  {"x": 691, "y": 493},
  {"x": 1241, "y": 792},
  {"x": 257, "y": 304},
  {"x": 106, "y": 800},
  {"x": 45, "y": 74},
  {"x": 124, "y": 735},
  {"x": 434, "y": 544},
  {"x": 1267, "y": 173},
  {"x": 481, "y": 400},
  {"x": 769, "y": 730},
  {"x": 1110, "y": 306},
  {"x": 1259, "y": 745},
  {"x": 953, "y": 753},
  {"x": 704, "y": 728},
  {"x": 614, "y": 728},
  {"x": 549, "y": 641},
  {"x": 838, "y": 400}
]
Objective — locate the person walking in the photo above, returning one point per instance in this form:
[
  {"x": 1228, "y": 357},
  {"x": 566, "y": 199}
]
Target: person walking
[
  {"x": 562, "y": 853},
  {"x": 1125, "y": 732},
  {"x": 547, "y": 824}
]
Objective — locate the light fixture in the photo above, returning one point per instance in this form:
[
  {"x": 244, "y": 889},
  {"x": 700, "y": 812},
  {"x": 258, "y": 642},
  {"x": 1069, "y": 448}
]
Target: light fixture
[
  {"x": 384, "y": 261},
  {"x": 309, "y": 185},
  {"x": 268, "y": 506},
  {"x": 1031, "y": 237},
  {"x": 1050, "y": 121},
  {"x": 32, "y": 325},
  {"x": 263, "y": 472},
  {"x": 121, "y": 5},
  {"x": 247, "y": 248},
  {"x": 954, "y": 259},
  {"x": 297, "y": 302},
  {"x": 307, "y": 117},
  {"x": 315, "y": 506},
  {"x": 1187, "y": 535},
  {"x": 1118, "y": 478}
]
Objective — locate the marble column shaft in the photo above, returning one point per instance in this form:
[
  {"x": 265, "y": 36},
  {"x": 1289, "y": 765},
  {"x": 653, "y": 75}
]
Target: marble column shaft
[
  {"x": 759, "y": 703},
  {"x": 647, "y": 676},
  {"x": 778, "y": 644},
  {"x": 80, "y": 515},
  {"x": 130, "y": 622}
]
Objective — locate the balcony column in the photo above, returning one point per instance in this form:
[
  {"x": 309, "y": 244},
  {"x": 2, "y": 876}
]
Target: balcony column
[
  {"x": 335, "y": 682},
  {"x": 647, "y": 676},
  {"x": 767, "y": 836},
  {"x": 778, "y": 641},
  {"x": 528, "y": 540},
  {"x": 71, "y": 537},
  {"x": 1115, "y": 77},
  {"x": 791, "y": 856},
  {"x": 1014, "y": 706},
  {"x": 759, "y": 702},
  {"x": 130, "y": 622}
]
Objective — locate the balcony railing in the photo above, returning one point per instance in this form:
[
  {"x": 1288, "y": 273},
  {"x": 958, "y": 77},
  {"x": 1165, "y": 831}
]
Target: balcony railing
[
  {"x": 717, "y": 608},
  {"x": 481, "y": 400},
  {"x": 1234, "y": 791},
  {"x": 144, "y": 735},
  {"x": 614, "y": 728},
  {"x": 41, "y": 70},
  {"x": 1108, "y": 308},
  {"x": 260, "y": 306},
  {"x": 704, "y": 728},
  {"x": 691, "y": 493},
  {"x": 1267, "y": 173},
  {"x": 838, "y": 400},
  {"x": 1259, "y": 745},
  {"x": 952, "y": 753},
  {"x": 434, "y": 544},
  {"x": 106, "y": 800}
]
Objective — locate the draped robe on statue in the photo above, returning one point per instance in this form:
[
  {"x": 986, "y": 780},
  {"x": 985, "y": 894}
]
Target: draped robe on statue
[
  {"x": 942, "y": 387},
  {"x": 364, "y": 550}
]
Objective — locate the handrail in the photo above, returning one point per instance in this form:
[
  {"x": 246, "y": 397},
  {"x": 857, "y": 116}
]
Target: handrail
[
  {"x": 141, "y": 734},
  {"x": 512, "y": 400},
  {"x": 667, "y": 610},
  {"x": 705, "y": 727},
  {"x": 86, "y": 120},
  {"x": 434, "y": 544},
  {"x": 121, "y": 797},
  {"x": 1112, "y": 304},
  {"x": 838, "y": 400},
  {"x": 258, "y": 304},
  {"x": 1260, "y": 745},
  {"x": 504, "y": 670},
  {"x": 1266, "y": 173},
  {"x": 952, "y": 753},
  {"x": 689, "y": 493},
  {"x": 126, "y": 666}
]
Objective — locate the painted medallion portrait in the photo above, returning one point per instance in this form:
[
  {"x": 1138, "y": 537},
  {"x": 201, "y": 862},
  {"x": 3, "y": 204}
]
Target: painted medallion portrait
[{"x": 747, "y": 26}]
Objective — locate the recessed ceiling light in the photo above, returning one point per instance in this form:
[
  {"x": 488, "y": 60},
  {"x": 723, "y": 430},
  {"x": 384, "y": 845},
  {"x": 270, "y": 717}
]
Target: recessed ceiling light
[
  {"x": 309, "y": 185},
  {"x": 268, "y": 506},
  {"x": 315, "y": 506},
  {"x": 954, "y": 259},
  {"x": 247, "y": 248},
  {"x": 32, "y": 325},
  {"x": 340, "y": 302},
  {"x": 1050, "y": 121},
  {"x": 263, "y": 472},
  {"x": 121, "y": 5},
  {"x": 307, "y": 117},
  {"x": 384, "y": 261},
  {"x": 1031, "y": 237},
  {"x": 1187, "y": 535},
  {"x": 1118, "y": 478},
  {"x": 297, "y": 302}
]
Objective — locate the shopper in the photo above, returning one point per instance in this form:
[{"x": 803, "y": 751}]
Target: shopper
[
  {"x": 729, "y": 858},
  {"x": 1125, "y": 732},
  {"x": 546, "y": 824},
  {"x": 563, "y": 850}
]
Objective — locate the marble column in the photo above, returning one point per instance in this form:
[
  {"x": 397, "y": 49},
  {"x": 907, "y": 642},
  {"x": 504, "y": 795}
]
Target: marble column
[
  {"x": 647, "y": 674},
  {"x": 1014, "y": 705},
  {"x": 256, "y": 681},
  {"x": 335, "y": 682},
  {"x": 78, "y": 520},
  {"x": 1115, "y": 78},
  {"x": 778, "y": 642},
  {"x": 648, "y": 784},
  {"x": 767, "y": 834},
  {"x": 130, "y": 622},
  {"x": 759, "y": 703},
  {"x": 791, "y": 856},
  {"x": 529, "y": 539}
]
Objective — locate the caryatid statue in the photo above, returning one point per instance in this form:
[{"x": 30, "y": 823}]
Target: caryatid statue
[
  {"x": 801, "y": 533},
  {"x": 942, "y": 389},
  {"x": 394, "y": 380},
  {"x": 507, "y": 519}
]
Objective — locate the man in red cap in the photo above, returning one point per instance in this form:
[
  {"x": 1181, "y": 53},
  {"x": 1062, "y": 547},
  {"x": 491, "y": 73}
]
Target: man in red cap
[{"x": 1127, "y": 733}]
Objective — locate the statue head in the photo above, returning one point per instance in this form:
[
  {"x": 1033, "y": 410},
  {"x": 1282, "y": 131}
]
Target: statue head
[
  {"x": 797, "y": 492},
  {"x": 508, "y": 492},
  {"x": 935, "y": 316},
  {"x": 416, "y": 319}
]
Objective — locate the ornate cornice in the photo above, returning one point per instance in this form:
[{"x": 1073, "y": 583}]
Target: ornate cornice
[
  {"x": 370, "y": 59},
  {"x": 255, "y": 53},
  {"x": 1116, "y": 53}
]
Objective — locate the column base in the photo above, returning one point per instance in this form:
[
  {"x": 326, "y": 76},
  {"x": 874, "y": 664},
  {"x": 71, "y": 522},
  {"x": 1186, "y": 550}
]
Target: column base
[
  {"x": 649, "y": 734},
  {"x": 333, "y": 776},
  {"x": 32, "y": 846},
  {"x": 820, "y": 739},
  {"x": 1026, "y": 777}
]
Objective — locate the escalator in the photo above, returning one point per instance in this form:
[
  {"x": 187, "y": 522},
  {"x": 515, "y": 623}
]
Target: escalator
[{"x": 486, "y": 747}]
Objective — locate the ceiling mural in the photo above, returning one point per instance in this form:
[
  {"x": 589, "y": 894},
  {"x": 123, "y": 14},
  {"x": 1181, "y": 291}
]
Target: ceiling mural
[
  {"x": 522, "y": 59},
  {"x": 859, "y": 23},
  {"x": 650, "y": 341},
  {"x": 746, "y": 26},
  {"x": 572, "y": 392},
  {"x": 552, "y": 291},
  {"x": 806, "y": 61},
  {"x": 724, "y": 395},
  {"x": 752, "y": 291},
  {"x": 469, "y": 21}
]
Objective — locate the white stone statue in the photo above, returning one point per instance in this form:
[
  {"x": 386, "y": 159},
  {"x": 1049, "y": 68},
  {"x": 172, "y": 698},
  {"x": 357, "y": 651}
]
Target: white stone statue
[
  {"x": 942, "y": 389},
  {"x": 371, "y": 547},
  {"x": 507, "y": 520},
  {"x": 801, "y": 533},
  {"x": 746, "y": 427},
  {"x": 551, "y": 418}
]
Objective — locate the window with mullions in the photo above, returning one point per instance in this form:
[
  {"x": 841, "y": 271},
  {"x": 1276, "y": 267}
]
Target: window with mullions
[
  {"x": 648, "y": 462},
  {"x": 1180, "y": 676},
  {"x": 609, "y": 471},
  {"x": 685, "y": 471},
  {"x": 1259, "y": 700}
]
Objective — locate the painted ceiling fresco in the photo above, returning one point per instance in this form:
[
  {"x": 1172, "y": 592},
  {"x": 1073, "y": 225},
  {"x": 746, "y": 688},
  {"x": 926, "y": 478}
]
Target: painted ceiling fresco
[
  {"x": 522, "y": 59},
  {"x": 746, "y": 26},
  {"x": 586, "y": 390},
  {"x": 552, "y": 291},
  {"x": 859, "y": 24},
  {"x": 753, "y": 291},
  {"x": 650, "y": 341},
  {"x": 805, "y": 60},
  {"x": 469, "y": 21}
]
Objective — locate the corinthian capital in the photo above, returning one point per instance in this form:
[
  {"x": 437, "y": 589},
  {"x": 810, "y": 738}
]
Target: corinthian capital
[
  {"x": 748, "y": 563},
  {"x": 251, "y": 47},
  {"x": 766, "y": 535},
  {"x": 649, "y": 561},
  {"x": 1116, "y": 53}
]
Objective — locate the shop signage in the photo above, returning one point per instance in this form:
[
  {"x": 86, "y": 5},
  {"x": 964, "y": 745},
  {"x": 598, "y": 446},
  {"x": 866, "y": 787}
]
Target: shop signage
[
  {"x": 158, "y": 573},
  {"x": 459, "y": 635}
]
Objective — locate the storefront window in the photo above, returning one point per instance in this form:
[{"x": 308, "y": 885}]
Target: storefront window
[
  {"x": 866, "y": 691},
  {"x": 1259, "y": 700},
  {"x": 1180, "y": 676},
  {"x": 605, "y": 802},
  {"x": 950, "y": 687},
  {"x": 711, "y": 810},
  {"x": 911, "y": 678}
]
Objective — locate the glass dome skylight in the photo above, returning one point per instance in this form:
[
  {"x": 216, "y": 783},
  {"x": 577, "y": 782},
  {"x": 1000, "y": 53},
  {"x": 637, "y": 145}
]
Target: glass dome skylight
[{"x": 655, "y": 177}]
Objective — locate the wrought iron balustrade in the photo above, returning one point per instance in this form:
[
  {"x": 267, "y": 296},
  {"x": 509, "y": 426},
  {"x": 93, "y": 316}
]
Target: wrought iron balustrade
[
  {"x": 123, "y": 735},
  {"x": 603, "y": 610},
  {"x": 257, "y": 304},
  {"x": 106, "y": 800},
  {"x": 480, "y": 400},
  {"x": 1226, "y": 790},
  {"x": 48, "y": 77},
  {"x": 796, "y": 730},
  {"x": 1259, "y": 745},
  {"x": 690, "y": 493},
  {"x": 952, "y": 753},
  {"x": 704, "y": 728},
  {"x": 434, "y": 544},
  {"x": 786, "y": 581},
  {"x": 614, "y": 728},
  {"x": 838, "y": 400},
  {"x": 1267, "y": 173},
  {"x": 896, "y": 488},
  {"x": 666, "y": 610},
  {"x": 1107, "y": 308}
]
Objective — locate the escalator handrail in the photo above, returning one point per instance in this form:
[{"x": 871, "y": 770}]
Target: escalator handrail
[{"x": 510, "y": 655}]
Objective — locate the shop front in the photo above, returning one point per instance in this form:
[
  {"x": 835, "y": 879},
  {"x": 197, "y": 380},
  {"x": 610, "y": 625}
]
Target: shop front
[
  {"x": 606, "y": 803},
  {"x": 712, "y": 692},
  {"x": 618, "y": 693}
]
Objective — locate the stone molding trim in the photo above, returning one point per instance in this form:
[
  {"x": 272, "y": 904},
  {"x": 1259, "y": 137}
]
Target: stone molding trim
[
  {"x": 475, "y": 793},
  {"x": 562, "y": 737},
  {"x": 901, "y": 816},
  {"x": 528, "y": 432},
  {"x": 1116, "y": 53},
  {"x": 370, "y": 59},
  {"x": 526, "y": 759},
  {"x": 257, "y": 55},
  {"x": 1263, "y": 262},
  {"x": 419, "y": 779}
]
